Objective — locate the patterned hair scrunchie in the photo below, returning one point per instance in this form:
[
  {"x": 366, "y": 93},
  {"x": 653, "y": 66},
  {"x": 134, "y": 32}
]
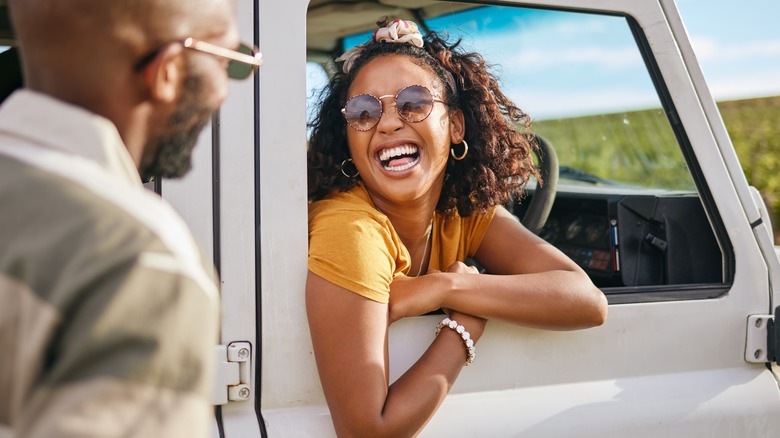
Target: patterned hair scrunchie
[{"x": 397, "y": 32}]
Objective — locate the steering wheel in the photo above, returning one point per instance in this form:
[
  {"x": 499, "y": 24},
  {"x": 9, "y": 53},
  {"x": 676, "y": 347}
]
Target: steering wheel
[{"x": 544, "y": 195}]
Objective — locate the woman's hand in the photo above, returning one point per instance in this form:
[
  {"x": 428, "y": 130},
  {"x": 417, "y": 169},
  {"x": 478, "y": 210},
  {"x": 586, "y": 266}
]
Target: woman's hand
[
  {"x": 462, "y": 268},
  {"x": 415, "y": 296},
  {"x": 473, "y": 324}
]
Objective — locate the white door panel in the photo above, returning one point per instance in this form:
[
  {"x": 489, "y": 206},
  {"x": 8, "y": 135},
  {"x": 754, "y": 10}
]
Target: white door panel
[
  {"x": 723, "y": 403},
  {"x": 664, "y": 368}
]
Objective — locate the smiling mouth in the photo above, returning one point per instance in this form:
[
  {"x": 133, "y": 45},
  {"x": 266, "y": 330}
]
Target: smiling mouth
[{"x": 399, "y": 158}]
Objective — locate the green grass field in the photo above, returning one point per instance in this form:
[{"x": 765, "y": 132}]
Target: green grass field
[
  {"x": 754, "y": 127},
  {"x": 639, "y": 147}
]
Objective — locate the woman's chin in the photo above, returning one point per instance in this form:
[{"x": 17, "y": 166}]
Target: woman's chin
[{"x": 398, "y": 195}]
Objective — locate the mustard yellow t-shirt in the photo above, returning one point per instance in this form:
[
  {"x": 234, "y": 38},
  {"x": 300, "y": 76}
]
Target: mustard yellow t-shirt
[{"x": 354, "y": 245}]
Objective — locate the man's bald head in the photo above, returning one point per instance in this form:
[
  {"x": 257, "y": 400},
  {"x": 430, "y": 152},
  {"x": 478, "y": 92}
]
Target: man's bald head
[
  {"x": 88, "y": 53},
  {"x": 124, "y": 19},
  {"x": 91, "y": 38}
]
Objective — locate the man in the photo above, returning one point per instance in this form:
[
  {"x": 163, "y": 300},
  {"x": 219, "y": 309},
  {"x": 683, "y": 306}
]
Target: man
[{"x": 108, "y": 313}]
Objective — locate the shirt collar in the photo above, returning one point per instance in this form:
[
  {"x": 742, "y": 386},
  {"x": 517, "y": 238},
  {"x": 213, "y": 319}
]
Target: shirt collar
[{"x": 53, "y": 124}]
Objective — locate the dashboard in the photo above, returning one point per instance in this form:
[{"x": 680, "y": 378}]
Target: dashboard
[
  {"x": 585, "y": 229},
  {"x": 629, "y": 240}
]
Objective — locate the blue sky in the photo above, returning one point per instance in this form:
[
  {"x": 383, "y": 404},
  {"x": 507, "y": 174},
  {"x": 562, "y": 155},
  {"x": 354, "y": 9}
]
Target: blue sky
[
  {"x": 737, "y": 45},
  {"x": 594, "y": 71}
]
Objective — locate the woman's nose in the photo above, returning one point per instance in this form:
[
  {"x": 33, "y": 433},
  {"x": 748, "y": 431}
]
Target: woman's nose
[{"x": 389, "y": 121}]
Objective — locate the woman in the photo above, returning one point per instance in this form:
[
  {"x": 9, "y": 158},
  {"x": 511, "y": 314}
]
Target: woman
[{"x": 412, "y": 155}]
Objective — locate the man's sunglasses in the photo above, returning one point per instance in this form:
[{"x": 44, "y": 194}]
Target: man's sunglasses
[
  {"x": 243, "y": 61},
  {"x": 413, "y": 104}
]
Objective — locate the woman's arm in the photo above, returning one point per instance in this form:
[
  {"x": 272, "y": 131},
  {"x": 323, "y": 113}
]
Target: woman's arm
[
  {"x": 349, "y": 334},
  {"x": 530, "y": 283}
]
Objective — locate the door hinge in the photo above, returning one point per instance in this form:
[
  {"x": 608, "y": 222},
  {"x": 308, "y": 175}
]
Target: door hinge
[
  {"x": 763, "y": 338},
  {"x": 233, "y": 374}
]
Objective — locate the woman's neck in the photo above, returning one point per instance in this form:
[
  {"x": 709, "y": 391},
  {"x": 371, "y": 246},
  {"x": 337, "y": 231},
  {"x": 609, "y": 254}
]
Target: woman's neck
[
  {"x": 410, "y": 220},
  {"x": 413, "y": 231}
]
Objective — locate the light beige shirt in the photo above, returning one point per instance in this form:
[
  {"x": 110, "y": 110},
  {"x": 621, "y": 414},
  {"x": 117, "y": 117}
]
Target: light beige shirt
[{"x": 108, "y": 312}]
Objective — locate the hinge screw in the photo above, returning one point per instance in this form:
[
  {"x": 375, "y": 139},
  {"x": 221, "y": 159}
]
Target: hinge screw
[
  {"x": 757, "y": 354},
  {"x": 243, "y": 353},
  {"x": 759, "y": 322},
  {"x": 239, "y": 392}
]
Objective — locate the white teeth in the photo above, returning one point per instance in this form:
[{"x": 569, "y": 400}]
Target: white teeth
[
  {"x": 401, "y": 167},
  {"x": 397, "y": 151}
]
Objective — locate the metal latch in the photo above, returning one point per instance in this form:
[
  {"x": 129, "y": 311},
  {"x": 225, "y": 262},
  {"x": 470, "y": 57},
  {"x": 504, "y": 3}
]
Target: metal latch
[
  {"x": 232, "y": 382},
  {"x": 763, "y": 338}
]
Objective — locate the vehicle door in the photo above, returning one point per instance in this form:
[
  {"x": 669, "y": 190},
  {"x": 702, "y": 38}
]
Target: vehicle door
[{"x": 650, "y": 201}]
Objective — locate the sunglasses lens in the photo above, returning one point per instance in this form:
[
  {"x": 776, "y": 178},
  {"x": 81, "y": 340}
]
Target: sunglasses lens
[
  {"x": 362, "y": 112},
  {"x": 414, "y": 103},
  {"x": 238, "y": 69}
]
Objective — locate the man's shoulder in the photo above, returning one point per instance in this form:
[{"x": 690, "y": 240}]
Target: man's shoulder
[
  {"x": 76, "y": 225},
  {"x": 41, "y": 198}
]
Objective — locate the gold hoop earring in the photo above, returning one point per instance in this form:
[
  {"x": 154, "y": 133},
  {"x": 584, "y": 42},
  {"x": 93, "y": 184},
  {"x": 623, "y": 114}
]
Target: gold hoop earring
[
  {"x": 349, "y": 160},
  {"x": 463, "y": 155}
]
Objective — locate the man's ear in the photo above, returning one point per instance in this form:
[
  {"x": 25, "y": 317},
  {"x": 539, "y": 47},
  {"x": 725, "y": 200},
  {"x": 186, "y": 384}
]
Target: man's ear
[
  {"x": 457, "y": 126},
  {"x": 163, "y": 75}
]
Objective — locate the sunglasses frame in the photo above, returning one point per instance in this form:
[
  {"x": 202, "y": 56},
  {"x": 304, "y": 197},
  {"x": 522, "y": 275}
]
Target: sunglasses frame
[
  {"x": 255, "y": 60},
  {"x": 435, "y": 97}
]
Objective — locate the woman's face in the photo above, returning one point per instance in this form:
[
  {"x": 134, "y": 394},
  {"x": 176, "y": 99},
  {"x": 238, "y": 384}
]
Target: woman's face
[{"x": 400, "y": 161}]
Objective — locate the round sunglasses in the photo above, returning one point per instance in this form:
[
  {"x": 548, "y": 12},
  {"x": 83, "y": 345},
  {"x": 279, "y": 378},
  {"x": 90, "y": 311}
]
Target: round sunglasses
[{"x": 413, "y": 104}]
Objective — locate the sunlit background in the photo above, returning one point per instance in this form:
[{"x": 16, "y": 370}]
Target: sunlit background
[{"x": 737, "y": 45}]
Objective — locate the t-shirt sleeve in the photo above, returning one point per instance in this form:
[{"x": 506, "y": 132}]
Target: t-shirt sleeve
[
  {"x": 474, "y": 229},
  {"x": 354, "y": 250}
]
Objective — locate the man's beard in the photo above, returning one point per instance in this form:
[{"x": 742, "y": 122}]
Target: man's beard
[{"x": 173, "y": 156}]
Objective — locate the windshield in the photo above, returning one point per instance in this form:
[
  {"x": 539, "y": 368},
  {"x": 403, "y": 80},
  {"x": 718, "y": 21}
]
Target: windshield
[{"x": 582, "y": 79}]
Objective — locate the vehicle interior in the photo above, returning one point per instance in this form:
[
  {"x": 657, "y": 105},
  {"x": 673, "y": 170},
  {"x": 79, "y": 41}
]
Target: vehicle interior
[{"x": 620, "y": 195}]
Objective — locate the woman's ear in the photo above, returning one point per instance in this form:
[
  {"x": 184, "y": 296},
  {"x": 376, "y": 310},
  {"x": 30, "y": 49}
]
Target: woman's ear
[
  {"x": 163, "y": 75},
  {"x": 457, "y": 126}
]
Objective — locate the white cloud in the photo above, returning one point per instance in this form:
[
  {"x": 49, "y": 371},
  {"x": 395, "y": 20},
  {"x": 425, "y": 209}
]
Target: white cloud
[
  {"x": 759, "y": 84},
  {"x": 552, "y": 103},
  {"x": 709, "y": 49},
  {"x": 759, "y": 75}
]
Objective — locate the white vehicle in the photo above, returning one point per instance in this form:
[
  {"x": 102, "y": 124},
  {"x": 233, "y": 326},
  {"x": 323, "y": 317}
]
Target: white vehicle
[
  {"x": 668, "y": 227},
  {"x": 650, "y": 200}
]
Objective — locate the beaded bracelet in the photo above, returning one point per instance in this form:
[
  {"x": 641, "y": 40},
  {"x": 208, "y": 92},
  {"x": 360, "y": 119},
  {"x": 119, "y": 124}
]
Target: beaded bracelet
[{"x": 459, "y": 329}]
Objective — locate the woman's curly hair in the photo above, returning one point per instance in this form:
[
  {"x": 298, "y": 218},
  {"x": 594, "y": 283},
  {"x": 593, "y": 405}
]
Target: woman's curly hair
[{"x": 499, "y": 160}]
